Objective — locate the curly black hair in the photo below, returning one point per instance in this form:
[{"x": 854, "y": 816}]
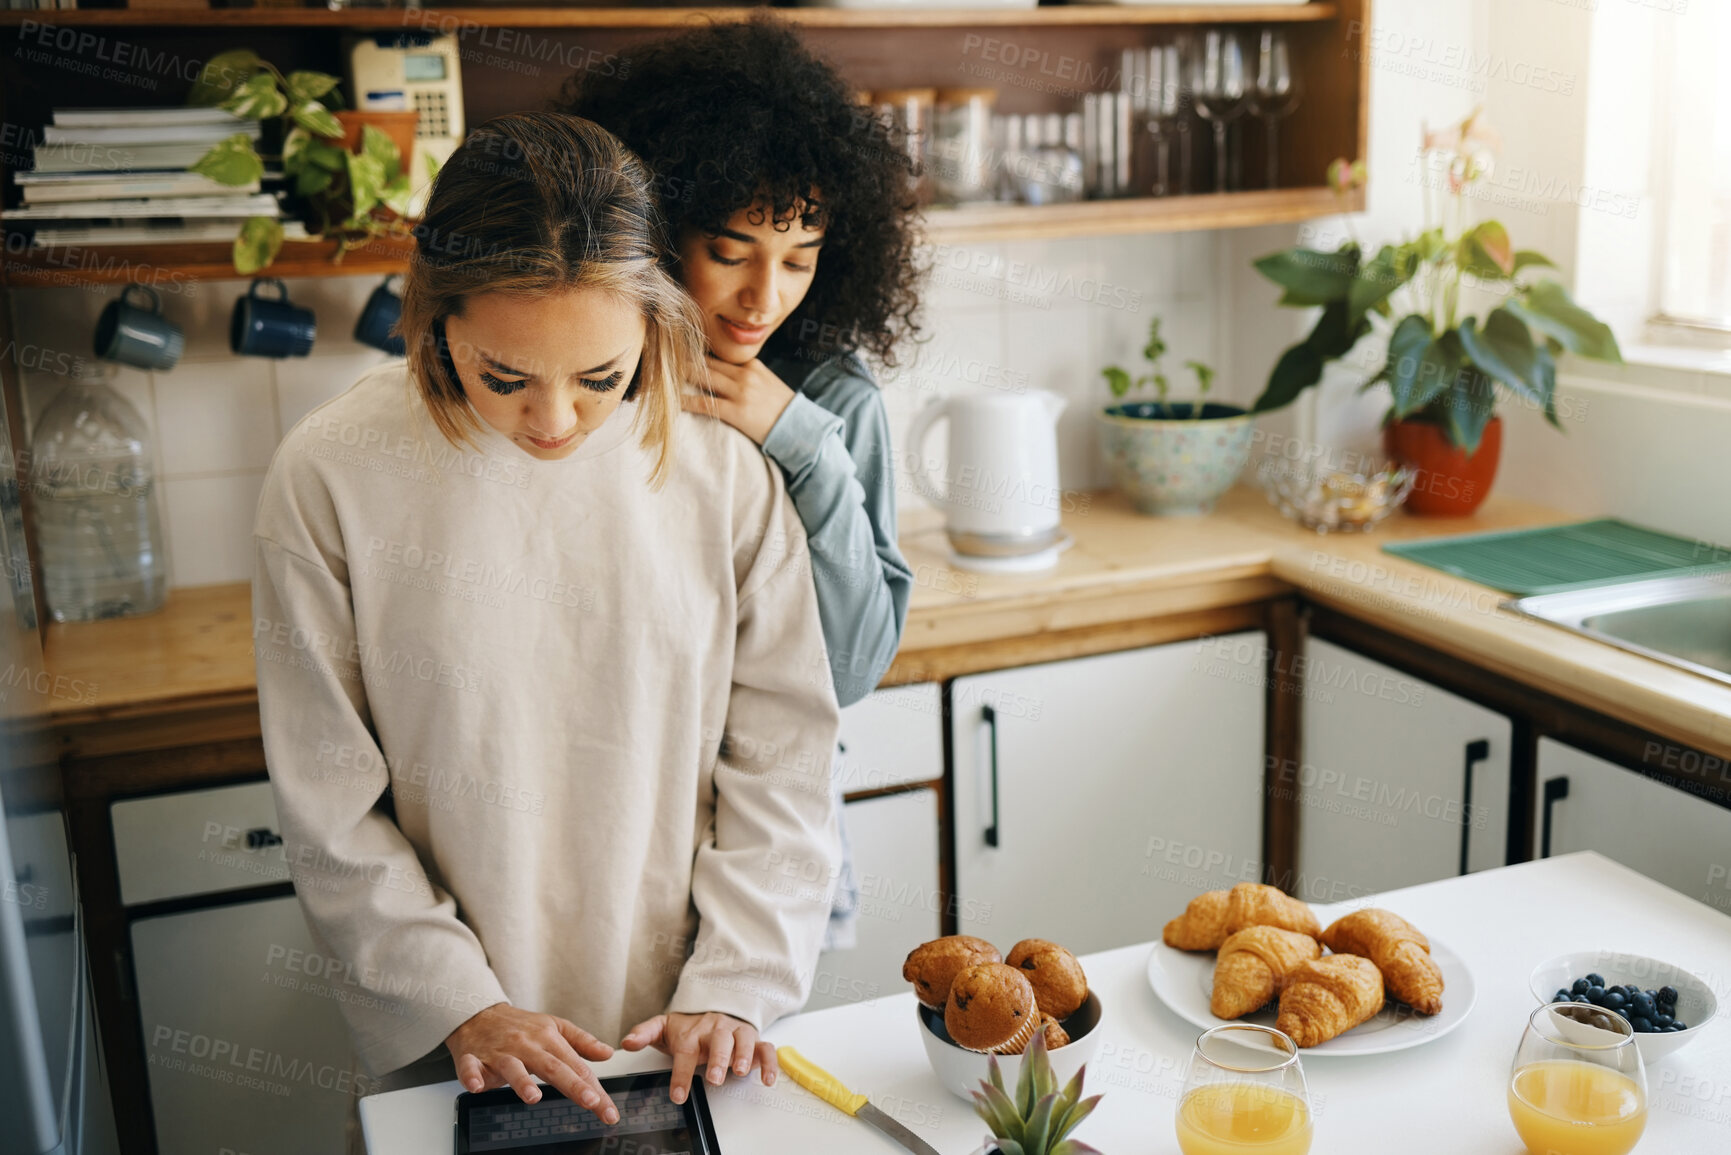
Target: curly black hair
[{"x": 731, "y": 116}]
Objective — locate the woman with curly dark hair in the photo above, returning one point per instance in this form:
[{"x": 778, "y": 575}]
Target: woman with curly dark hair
[{"x": 792, "y": 218}]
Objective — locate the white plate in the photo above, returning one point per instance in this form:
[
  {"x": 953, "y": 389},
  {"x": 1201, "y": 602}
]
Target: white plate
[{"x": 1184, "y": 981}]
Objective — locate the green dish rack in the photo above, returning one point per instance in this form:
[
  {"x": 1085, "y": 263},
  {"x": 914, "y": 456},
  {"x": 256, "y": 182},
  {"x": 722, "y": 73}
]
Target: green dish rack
[{"x": 1525, "y": 562}]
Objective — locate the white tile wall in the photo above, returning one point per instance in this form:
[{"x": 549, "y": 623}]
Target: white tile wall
[
  {"x": 1018, "y": 315},
  {"x": 215, "y": 419}
]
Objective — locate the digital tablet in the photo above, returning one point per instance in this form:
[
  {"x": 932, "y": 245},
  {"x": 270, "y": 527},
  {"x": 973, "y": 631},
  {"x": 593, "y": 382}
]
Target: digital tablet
[{"x": 650, "y": 1123}]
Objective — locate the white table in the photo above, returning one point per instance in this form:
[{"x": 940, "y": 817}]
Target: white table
[{"x": 1445, "y": 1097}]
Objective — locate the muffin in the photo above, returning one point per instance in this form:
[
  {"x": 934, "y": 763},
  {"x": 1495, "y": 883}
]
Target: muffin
[
  {"x": 1054, "y": 1031},
  {"x": 932, "y": 966},
  {"x": 991, "y": 1008},
  {"x": 1059, "y": 985}
]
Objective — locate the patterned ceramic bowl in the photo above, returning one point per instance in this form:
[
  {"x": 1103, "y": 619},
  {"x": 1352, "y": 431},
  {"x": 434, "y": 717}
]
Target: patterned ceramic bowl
[{"x": 1168, "y": 462}]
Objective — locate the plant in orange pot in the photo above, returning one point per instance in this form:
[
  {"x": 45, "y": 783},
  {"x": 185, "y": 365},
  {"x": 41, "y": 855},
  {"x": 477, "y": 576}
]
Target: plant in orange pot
[
  {"x": 1445, "y": 365},
  {"x": 345, "y": 167}
]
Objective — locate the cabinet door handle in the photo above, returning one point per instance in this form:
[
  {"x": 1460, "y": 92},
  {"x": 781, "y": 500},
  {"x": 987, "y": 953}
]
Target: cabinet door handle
[
  {"x": 261, "y": 837},
  {"x": 1477, "y": 751},
  {"x": 989, "y": 717},
  {"x": 1555, "y": 789}
]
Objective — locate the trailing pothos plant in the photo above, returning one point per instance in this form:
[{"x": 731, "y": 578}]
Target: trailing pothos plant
[
  {"x": 1442, "y": 366},
  {"x": 344, "y": 191}
]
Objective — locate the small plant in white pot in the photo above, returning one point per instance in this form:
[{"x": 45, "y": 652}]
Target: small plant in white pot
[{"x": 1172, "y": 457}]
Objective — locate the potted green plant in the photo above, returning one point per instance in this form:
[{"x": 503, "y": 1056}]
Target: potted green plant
[
  {"x": 1040, "y": 1116},
  {"x": 1171, "y": 457},
  {"x": 1444, "y": 364},
  {"x": 346, "y": 166}
]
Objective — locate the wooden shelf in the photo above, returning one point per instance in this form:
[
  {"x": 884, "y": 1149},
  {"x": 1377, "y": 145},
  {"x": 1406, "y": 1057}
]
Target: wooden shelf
[
  {"x": 981, "y": 224},
  {"x": 994, "y": 222},
  {"x": 175, "y": 264},
  {"x": 453, "y": 19}
]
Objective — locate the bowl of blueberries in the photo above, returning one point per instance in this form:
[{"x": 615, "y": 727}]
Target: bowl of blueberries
[{"x": 1665, "y": 1004}]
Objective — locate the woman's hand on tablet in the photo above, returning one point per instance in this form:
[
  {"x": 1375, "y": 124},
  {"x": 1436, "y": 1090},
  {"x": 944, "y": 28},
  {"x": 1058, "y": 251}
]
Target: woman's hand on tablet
[
  {"x": 711, "y": 1039},
  {"x": 748, "y": 397},
  {"x": 508, "y": 1046}
]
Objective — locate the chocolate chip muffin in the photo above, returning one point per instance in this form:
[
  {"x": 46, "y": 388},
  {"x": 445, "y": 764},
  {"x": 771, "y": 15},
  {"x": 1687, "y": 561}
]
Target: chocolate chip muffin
[
  {"x": 932, "y": 966},
  {"x": 1059, "y": 985},
  {"x": 991, "y": 1008}
]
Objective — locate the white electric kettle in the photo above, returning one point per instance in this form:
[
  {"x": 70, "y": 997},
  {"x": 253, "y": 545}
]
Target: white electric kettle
[{"x": 1000, "y": 495}]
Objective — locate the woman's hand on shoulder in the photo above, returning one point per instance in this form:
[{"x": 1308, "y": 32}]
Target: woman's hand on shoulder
[
  {"x": 505, "y": 1045},
  {"x": 749, "y": 397},
  {"x": 711, "y": 1039}
]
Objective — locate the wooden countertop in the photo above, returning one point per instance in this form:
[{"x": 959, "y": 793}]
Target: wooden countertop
[{"x": 1123, "y": 567}]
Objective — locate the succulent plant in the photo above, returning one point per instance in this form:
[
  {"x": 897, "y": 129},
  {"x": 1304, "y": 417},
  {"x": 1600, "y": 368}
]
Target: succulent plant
[{"x": 1036, "y": 1120}]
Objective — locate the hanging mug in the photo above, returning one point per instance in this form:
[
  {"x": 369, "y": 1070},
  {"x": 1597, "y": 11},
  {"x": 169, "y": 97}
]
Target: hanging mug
[
  {"x": 138, "y": 336},
  {"x": 262, "y": 327},
  {"x": 378, "y": 320}
]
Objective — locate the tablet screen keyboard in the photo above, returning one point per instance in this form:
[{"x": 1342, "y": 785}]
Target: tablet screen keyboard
[{"x": 557, "y": 1124}]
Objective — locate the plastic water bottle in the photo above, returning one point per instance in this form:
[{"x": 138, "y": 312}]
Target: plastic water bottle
[{"x": 93, "y": 488}]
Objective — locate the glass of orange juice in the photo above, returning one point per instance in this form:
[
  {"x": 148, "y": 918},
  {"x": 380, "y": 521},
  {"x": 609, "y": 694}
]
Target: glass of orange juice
[
  {"x": 1578, "y": 1086},
  {"x": 1244, "y": 1095}
]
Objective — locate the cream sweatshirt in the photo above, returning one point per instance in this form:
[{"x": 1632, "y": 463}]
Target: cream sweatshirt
[{"x": 537, "y": 732}]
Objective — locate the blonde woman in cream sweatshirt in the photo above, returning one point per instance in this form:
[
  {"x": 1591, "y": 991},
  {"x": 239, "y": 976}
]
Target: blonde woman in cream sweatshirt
[{"x": 535, "y": 656}]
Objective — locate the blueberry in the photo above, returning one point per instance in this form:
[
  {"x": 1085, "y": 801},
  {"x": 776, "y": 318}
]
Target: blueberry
[
  {"x": 1643, "y": 1002},
  {"x": 1679, "y": 1025},
  {"x": 1662, "y": 1020},
  {"x": 1580, "y": 987},
  {"x": 1615, "y": 1000},
  {"x": 1642, "y": 1024},
  {"x": 1578, "y": 998},
  {"x": 1668, "y": 995},
  {"x": 1596, "y": 980},
  {"x": 1596, "y": 995},
  {"x": 1561, "y": 996}
]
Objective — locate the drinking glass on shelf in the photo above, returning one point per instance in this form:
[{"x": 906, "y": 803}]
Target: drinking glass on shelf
[
  {"x": 1244, "y": 1095},
  {"x": 1219, "y": 85},
  {"x": 1165, "y": 101},
  {"x": 1274, "y": 93},
  {"x": 1578, "y": 1086}
]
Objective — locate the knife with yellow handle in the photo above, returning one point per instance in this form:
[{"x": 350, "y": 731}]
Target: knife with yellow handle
[{"x": 832, "y": 1091}]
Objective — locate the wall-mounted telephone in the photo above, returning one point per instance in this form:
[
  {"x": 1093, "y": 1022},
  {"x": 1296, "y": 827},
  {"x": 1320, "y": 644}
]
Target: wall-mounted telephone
[{"x": 402, "y": 71}]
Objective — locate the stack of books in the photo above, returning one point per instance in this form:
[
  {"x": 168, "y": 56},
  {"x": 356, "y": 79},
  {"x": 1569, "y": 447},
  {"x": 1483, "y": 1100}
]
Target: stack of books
[{"x": 123, "y": 176}]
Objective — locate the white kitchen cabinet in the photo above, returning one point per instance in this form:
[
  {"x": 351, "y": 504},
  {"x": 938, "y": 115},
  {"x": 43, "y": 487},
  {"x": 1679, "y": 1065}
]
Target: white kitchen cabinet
[
  {"x": 895, "y": 853},
  {"x": 891, "y": 738},
  {"x": 243, "y": 1032},
  {"x": 1095, "y": 797},
  {"x": 1665, "y": 833},
  {"x": 1400, "y": 783}
]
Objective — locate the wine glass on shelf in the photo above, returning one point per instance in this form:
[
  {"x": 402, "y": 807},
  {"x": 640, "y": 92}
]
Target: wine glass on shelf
[
  {"x": 1165, "y": 101},
  {"x": 1578, "y": 1086},
  {"x": 1245, "y": 1094},
  {"x": 1274, "y": 93},
  {"x": 1219, "y": 85}
]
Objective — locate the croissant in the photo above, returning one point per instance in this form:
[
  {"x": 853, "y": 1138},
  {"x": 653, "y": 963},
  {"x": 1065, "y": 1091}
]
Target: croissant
[
  {"x": 1399, "y": 951},
  {"x": 1202, "y": 926},
  {"x": 1253, "y": 966},
  {"x": 1212, "y": 916},
  {"x": 1327, "y": 997}
]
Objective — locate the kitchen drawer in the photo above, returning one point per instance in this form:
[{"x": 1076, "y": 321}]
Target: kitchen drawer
[
  {"x": 893, "y": 737},
  {"x": 197, "y": 842}
]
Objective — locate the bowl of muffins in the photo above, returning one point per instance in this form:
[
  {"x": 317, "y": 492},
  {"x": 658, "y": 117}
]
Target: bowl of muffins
[{"x": 975, "y": 1003}]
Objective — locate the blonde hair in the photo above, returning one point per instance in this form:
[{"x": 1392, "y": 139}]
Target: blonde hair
[{"x": 539, "y": 201}]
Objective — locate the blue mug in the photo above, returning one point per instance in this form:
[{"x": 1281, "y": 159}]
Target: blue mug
[
  {"x": 378, "y": 320},
  {"x": 261, "y": 327},
  {"x": 136, "y": 336}
]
